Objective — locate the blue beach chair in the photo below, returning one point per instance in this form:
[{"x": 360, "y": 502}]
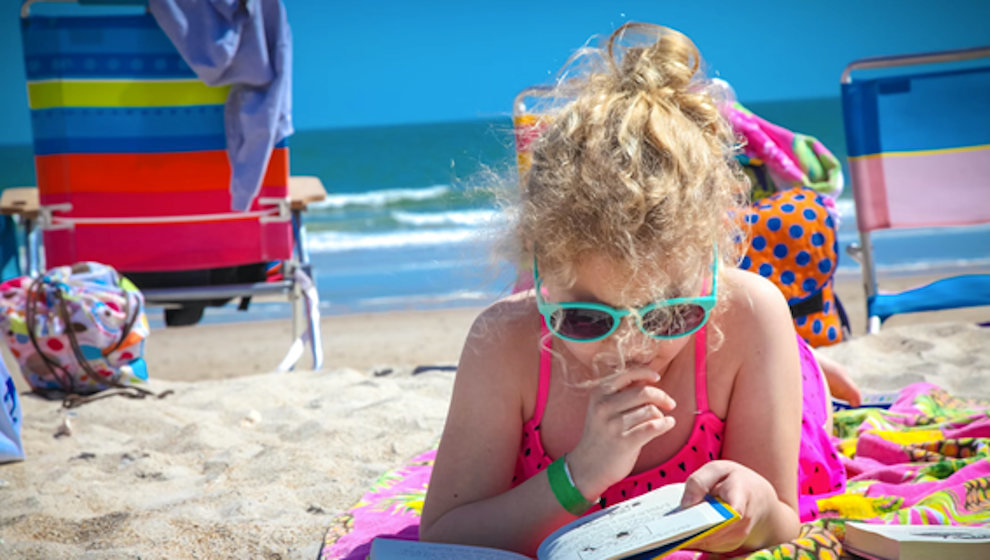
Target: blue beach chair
[{"x": 918, "y": 138}]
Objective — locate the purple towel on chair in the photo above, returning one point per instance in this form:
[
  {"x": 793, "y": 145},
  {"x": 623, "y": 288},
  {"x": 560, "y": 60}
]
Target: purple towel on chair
[{"x": 245, "y": 44}]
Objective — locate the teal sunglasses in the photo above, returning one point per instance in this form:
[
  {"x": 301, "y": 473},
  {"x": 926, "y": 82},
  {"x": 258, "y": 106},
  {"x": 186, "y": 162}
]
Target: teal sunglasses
[{"x": 579, "y": 321}]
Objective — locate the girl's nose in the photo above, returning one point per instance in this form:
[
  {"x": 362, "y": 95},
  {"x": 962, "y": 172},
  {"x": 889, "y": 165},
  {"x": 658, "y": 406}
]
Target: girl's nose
[{"x": 629, "y": 339}]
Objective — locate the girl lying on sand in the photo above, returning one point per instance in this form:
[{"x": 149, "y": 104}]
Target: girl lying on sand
[{"x": 643, "y": 356}]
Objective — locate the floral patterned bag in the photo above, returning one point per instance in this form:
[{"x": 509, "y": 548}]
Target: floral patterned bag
[{"x": 77, "y": 330}]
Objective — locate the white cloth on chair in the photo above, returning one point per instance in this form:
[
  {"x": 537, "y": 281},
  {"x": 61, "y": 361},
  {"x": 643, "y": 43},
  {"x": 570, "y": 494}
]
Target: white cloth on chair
[{"x": 311, "y": 335}]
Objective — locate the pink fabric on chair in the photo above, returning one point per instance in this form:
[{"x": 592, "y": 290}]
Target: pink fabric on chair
[
  {"x": 159, "y": 212},
  {"x": 921, "y": 190}
]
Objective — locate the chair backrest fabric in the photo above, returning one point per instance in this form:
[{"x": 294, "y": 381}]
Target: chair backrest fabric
[
  {"x": 130, "y": 153},
  {"x": 919, "y": 148}
]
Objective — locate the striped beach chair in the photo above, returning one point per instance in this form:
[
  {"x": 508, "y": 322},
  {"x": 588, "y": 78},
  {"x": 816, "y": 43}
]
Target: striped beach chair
[
  {"x": 918, "y": 138},
  {"x": 132, "y": 170}
]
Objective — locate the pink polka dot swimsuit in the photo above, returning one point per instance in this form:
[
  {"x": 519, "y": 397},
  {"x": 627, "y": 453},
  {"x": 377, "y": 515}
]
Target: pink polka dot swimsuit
[{"x": 820, "y": 472}]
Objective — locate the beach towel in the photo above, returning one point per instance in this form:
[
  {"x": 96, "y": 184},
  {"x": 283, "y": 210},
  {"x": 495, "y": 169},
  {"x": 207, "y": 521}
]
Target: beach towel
[
  {"x": 924, "y": 460},
  {"x": 778, "y": 159}
]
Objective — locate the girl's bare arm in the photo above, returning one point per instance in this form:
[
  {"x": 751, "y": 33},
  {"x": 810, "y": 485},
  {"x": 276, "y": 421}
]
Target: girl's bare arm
[
  {"x": 763, "y": 423},
  {"x": 470, "y": 499}
]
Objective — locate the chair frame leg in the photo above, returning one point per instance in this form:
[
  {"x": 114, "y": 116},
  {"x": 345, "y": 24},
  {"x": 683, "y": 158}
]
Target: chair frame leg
[
  {"x": 298, "y": 301},
  {"x": 295, "y": 298},
  {"x": 869, "y": 280},
  {"x": 32, "y": 251}
]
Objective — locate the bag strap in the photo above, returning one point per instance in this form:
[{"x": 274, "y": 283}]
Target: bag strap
[
  {"x": 811, "y": 304},
  {"x": 34, "y": 295},
  {"x": 129, "y": 391}
]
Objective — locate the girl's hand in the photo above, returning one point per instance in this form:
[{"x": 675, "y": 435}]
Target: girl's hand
[
  {"x": 625, "y": 412},
  {"x": 840, "y": 383},
  {"x": 751, "y": 495}
]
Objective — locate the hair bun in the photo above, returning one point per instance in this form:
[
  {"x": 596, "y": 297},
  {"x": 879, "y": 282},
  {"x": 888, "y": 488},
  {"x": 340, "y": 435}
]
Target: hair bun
[
  {"x": 635, "y": 160},
  {"x": 652, "y": 58}
]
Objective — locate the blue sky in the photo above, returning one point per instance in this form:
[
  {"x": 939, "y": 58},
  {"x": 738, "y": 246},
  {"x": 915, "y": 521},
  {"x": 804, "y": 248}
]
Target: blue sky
[{"x": 386, "y": 62}]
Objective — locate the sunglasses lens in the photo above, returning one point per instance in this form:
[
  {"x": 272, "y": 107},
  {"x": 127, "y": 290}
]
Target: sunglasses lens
[
  {"x": 581, "y": 323},
  {"x": 673, "y": 320}
]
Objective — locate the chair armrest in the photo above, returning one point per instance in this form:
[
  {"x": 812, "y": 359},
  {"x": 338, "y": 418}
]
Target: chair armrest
[
  {"x": 22, "y": 201},
  {"x": 305, "y": 190}
]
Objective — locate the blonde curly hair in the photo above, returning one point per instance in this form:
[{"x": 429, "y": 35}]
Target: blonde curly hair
[{"x": 635, "y": 164}]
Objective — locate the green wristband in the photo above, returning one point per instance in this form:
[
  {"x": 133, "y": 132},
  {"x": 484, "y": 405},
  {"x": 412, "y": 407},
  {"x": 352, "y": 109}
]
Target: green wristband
[{"x": 563, "y": 487}]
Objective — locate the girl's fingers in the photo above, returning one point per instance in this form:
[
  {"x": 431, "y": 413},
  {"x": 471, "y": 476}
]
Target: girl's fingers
[
  {"x": 632, "y": 405},
  {"x": 628, "y": 391},
  {"x": 643, "y": 432},
  {"x": 634, "y": 398},
  {"x": 625, "y": 412},
  {"x": 843, "y": 387},
  {"x": 622, "y": 379},
  {"x": 638, "y": 415},
  {"x": 703, "y": 481},
  {"x": 839, "y": 381},
  {"x": 734, "y": 495}
]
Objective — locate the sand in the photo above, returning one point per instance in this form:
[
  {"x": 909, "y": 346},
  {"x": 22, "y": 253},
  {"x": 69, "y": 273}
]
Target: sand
[{"x": 242, "y": 462}]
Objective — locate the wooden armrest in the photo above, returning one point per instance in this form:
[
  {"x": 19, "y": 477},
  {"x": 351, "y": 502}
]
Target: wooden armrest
[
  {"x": 21, "y": 201},
  {"x": 305, "y": 190}
]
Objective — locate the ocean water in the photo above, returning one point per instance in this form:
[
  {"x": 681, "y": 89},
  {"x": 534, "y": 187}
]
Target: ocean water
[
  {"x": 410, "y": 215},
  {"x": 410, "y": 218}
]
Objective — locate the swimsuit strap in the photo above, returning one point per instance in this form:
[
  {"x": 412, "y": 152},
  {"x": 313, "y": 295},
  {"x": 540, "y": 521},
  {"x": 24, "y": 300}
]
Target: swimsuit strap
[
  {"x": 700, "y": 369},
  {"x": 546, "y": 364}
]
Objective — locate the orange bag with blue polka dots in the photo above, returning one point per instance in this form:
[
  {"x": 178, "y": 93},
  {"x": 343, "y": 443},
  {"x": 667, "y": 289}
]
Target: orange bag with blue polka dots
[{"x": 792, "y": 242}]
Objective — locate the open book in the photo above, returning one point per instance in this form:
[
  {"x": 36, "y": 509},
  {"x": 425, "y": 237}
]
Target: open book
[
  {"x": 648, "y": 526},
  {"x": 916, "y": 542}
]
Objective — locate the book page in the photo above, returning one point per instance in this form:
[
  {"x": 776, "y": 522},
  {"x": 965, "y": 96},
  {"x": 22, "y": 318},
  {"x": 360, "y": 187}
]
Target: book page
[
  {"x": 397, "y": 549},
  {"x": 639, "y": 524}
]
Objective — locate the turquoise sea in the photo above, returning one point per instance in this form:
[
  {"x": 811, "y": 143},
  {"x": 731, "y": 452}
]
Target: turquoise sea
[{"x": 410, "y": 213}]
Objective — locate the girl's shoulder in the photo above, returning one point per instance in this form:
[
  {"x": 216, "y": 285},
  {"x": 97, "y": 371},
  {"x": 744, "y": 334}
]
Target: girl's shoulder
[
  {"x": 507, "y": 331},
  {"x": 754, "y": 310},
  {"x": 757, "y": 344},
  {"x": 511, "y": 318},
  {"x": 500, "y": 359},
  {"x": 748, "y": 293}
]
